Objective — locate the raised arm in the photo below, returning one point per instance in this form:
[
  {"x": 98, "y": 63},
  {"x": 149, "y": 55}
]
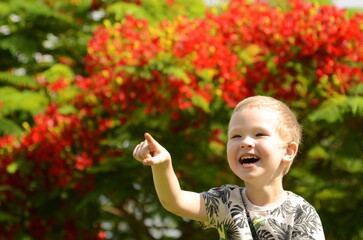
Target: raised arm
[{"x": 172, "y": 197}]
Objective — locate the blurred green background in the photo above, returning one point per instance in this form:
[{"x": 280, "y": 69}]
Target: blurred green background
[{"x": 82, "y": 80}]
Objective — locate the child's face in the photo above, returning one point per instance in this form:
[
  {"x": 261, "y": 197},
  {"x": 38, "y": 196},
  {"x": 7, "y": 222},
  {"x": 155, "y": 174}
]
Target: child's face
[{"x": 255, "y": 150}]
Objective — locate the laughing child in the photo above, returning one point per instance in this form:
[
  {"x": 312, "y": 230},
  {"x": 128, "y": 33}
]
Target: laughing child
[{"x": 263, "y": 140}]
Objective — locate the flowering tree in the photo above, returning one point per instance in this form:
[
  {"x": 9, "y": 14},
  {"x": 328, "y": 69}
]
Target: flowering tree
[{"x": 72, "y": 176}]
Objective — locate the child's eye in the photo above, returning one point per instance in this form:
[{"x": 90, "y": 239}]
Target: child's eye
[
  {"x": 236, "y": 136},
  {"x": 260, "y": 134}
]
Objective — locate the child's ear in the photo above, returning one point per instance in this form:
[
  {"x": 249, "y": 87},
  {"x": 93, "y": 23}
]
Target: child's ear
[{"x": 290, "y": 152}]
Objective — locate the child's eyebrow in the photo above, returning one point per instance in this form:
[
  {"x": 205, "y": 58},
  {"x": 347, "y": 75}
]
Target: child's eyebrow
[
  {"x": 255, "y": 128},
  {"x": 234, "y": 129}
]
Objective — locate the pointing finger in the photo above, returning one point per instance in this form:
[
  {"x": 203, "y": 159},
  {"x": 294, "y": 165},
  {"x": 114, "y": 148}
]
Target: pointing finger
[
  {"x": 153, "y": 144},
  {"x": 150, "y": 152}
]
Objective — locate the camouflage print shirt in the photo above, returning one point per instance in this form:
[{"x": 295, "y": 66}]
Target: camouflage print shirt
[{"x": 236, "y": 218}]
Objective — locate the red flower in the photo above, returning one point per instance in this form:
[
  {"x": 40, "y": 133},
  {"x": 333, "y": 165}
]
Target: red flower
[
  {"x": 58, "y": 85},
  {"x": 82, "y": 162}
]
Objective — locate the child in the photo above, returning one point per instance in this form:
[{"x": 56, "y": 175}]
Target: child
[{"x": 263, "y": 139}]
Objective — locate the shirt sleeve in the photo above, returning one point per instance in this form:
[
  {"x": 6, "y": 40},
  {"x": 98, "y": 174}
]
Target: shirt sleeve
[
  {"x": 307, "y": 223},
  {"x": 215, "y": 203}
]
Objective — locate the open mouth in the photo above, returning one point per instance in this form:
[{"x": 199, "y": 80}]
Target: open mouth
[{"x": 250, "y": 159}]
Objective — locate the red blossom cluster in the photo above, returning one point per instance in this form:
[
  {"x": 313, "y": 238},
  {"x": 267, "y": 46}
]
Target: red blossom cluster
[
  {"x": 169, "y": 68},
  {"x": 53, "y": 141},
  {"x": 51, "y": 157},
  {"x": 317, "y": 46},
  {"x": 248, "y": 47}
]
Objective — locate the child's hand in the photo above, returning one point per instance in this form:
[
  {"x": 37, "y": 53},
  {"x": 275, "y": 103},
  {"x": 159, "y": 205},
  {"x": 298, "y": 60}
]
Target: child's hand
[{"x": 150, "y": 152}]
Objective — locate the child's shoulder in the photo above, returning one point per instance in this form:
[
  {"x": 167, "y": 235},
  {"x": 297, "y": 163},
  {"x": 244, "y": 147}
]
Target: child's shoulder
[
  {"x": 225, "y": 193},
  {"x": 227, "y": 188},
  {"x": 298, "y": 203},
  {"x": 296, "y": 199}
]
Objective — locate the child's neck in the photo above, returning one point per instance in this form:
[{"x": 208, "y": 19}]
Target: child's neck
[{"x": 266, "y": 195}]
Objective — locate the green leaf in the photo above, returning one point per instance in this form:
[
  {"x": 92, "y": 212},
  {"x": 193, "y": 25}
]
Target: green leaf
[
  {"x": 12, "y": 167},
  {"x": 330, "y": 110},
  {"x": 178, "y": 73},
  {"x": 67, "y": 109},
  {"x": 318, "y": 152},
  {"x": 18, "y": 81},
  {"x": 58, "y": 71},
  {"x": 4, "y": 8},
  {"x": 335, "y": 109},
  {"x": 8, "y": 126},
  {"x": 356, "y": 89},
  {"x": 321, "y": 2},
  {"x": 356, "y": 105},
  {"x": 5, "y": 217},
  {"x": 121, "y": 9},
  {"x": 207, "y": 74},
  {"x": 16, "y": 43},
  {"x": 14, "y": 100},
  {"x": 37, "y": 9},
  {"x": 199, "y": 101},
  {"x": 14, "y": 190},
  {"x": 351, "y": 165}
]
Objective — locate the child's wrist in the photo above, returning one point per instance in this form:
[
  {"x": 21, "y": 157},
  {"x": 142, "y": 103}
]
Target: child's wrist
[{"x": 165, "y": 164}]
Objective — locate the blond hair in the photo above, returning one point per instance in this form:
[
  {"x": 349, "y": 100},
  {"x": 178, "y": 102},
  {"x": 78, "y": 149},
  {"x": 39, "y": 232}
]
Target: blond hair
[{"x": 288, "y": 128}]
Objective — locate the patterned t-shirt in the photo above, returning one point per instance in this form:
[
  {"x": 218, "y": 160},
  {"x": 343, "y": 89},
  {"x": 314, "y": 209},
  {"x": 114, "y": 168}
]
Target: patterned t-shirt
[{"x": 292, "y": 218}]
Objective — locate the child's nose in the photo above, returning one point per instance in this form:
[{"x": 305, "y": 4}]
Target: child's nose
[{"x": 247, "y": 142}]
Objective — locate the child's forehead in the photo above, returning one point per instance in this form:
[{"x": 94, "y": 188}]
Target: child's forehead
[
  {"x": 262, "y": 109},
  {"x": 254, "y": 116}
]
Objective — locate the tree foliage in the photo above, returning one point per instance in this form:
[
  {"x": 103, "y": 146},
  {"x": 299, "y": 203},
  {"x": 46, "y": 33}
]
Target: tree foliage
[{"x": 66, "y": 169}]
